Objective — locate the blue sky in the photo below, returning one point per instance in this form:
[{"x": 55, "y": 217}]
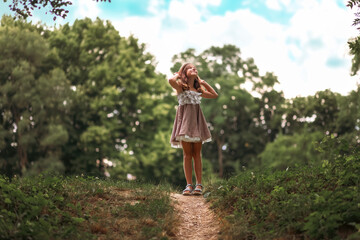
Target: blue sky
[
  {"x": 304, "y": 42},
  {"x": 140, "y": 8}
]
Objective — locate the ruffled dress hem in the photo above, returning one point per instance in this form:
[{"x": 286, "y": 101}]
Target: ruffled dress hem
[{"x": 186, "y": 138}]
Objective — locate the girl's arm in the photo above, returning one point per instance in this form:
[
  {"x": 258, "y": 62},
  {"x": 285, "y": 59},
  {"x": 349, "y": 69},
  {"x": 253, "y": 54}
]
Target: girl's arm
[
  {"x": 210, "y": 93},
  {"x": 175, "y": 84}
]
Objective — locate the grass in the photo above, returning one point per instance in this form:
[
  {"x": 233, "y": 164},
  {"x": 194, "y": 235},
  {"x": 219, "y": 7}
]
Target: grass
[
  {"x": 54, "y": 207},
  {"x": 301, "y": 203}
]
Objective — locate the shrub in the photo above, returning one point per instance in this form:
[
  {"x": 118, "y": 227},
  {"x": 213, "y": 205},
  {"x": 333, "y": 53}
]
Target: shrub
[{"x": 318, "y": 202}]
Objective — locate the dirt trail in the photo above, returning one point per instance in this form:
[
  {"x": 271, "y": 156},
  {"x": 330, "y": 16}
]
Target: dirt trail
[{"x": 196, "y": 220}]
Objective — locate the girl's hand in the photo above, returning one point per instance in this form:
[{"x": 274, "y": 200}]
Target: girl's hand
[{"x": 201, "y": 81}]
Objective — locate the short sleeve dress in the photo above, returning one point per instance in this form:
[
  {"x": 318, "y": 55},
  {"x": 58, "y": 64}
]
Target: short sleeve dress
[{"x": 190, "y": 124}]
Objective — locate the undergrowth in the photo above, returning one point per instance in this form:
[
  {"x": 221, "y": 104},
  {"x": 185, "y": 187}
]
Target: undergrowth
[
  {"x": 309, "y": 202},
  {"x": 55, "y": 207}
]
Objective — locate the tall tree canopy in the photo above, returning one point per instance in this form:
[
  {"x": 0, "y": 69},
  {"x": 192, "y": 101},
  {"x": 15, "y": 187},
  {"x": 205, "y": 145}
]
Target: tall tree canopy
[
  {"x": 31, "y": 118},
  {"x": 120, "y": 105},
  {"x": 84, "y": 95}
]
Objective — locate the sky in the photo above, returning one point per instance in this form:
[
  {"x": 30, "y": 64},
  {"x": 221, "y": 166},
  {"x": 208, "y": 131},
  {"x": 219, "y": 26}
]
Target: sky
[{"x": 303, "y": 42}]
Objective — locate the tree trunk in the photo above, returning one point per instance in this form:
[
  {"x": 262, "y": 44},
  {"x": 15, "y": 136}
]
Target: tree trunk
[
  {"x": 220, "y": 157},
  {"x": 22, "y": 154}
]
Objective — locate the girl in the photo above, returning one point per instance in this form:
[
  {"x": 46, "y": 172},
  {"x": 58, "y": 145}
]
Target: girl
[{"x": 190, "y": 129}]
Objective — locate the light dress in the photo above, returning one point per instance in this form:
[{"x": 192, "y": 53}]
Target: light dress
[{"x": 189, "y": 124}]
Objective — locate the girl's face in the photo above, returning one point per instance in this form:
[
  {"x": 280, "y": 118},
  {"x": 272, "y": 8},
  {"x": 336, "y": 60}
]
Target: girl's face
[{"x": 191, "y": 71}]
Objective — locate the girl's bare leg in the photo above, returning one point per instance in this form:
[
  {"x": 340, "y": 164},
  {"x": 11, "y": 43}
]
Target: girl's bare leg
[
  {"x": 187, "y": 152},
  {"x": 196, "y": 153}
]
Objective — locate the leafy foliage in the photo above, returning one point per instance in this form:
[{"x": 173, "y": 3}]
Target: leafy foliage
[
  {"x": 36, "y": 207},
  {"x": 121, "y": 104},
  {"x": 307, "y": 202},
  {"x": 112, "y": 103},
  {"x": 24, "y": 8},
  {"x": 31, "y": 120},
  {"x": 54, "y": 207},
  {"x": 354, "y": 44},
  {"x": 352, "y": 4},
  {"x": 288, "y": 151}
]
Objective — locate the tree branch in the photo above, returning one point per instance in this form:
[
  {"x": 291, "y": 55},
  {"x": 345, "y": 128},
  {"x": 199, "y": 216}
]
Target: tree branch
[{"x": 24, "y": 8}]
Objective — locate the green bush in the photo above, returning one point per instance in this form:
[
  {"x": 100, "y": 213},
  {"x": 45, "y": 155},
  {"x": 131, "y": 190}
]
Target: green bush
[
  {"x": 35, "y": 207},
  {"x": 77, "y": 207},
  {"x": 321, "y": 202}
]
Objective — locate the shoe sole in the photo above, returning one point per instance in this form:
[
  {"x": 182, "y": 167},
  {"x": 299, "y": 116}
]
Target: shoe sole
[{"x": 186, "y": 194}]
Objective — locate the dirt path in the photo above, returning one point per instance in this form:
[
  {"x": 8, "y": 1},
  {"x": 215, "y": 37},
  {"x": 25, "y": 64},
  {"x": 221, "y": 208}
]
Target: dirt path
[{"x": 196, "y": 220}]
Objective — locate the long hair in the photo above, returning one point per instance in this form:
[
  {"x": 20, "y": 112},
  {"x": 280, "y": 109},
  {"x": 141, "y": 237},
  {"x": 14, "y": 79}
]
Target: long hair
[{"x": 184, "y": 78}]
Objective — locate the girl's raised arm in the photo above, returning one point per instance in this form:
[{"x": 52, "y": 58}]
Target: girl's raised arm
[
  {"x": 175, "y": 84},
  {"x": 210, "y": 93}
]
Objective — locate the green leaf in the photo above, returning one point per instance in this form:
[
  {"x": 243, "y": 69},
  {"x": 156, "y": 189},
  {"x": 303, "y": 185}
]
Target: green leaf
[{"x": 77, "y": 220}]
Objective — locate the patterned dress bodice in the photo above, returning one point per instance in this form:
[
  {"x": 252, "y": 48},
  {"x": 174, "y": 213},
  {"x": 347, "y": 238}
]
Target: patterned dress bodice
[{"x": 189, "y": 97}]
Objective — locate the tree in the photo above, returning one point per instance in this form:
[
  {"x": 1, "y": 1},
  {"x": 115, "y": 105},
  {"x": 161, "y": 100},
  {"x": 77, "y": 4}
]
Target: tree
[
  {"x": 121, "y": 107},
  {"x": 325, "y": 107},
  {"x": 317, "y": 113},
  {"x": 24, "y": 8},
  {"x": 347, "y": 123},
  {"x": 292, "y": 150},
  {"x": 354, "y": 43},
  {"x": 31, "y": 118},
  {"x": 270, "y": 106},
  {"x": 115, "y": 109},
  {"x": 355, "y": 3},
  {"x": 87, "y": 52}
]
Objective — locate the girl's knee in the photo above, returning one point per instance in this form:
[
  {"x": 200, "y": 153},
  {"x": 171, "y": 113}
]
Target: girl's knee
[
  {"x": 188, "y": 156},
  {"x": 196, "y": 155}
]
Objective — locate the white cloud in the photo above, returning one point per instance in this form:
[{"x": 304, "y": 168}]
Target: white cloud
[
  {"x": 278, "y": 4},
  {"x": 86, "y": 8},
  {"x": 184, "y": 11},
  {"x": 273, "y": 4},
  {"x": 286, "y": 3},
  {"x": 300, "y": 53},
  {"x": 205, "y": 3},
  {"x": 319, "y": 32},
  {"x": 155, "y": 6},
  {"x": 297, "y": 53}
]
